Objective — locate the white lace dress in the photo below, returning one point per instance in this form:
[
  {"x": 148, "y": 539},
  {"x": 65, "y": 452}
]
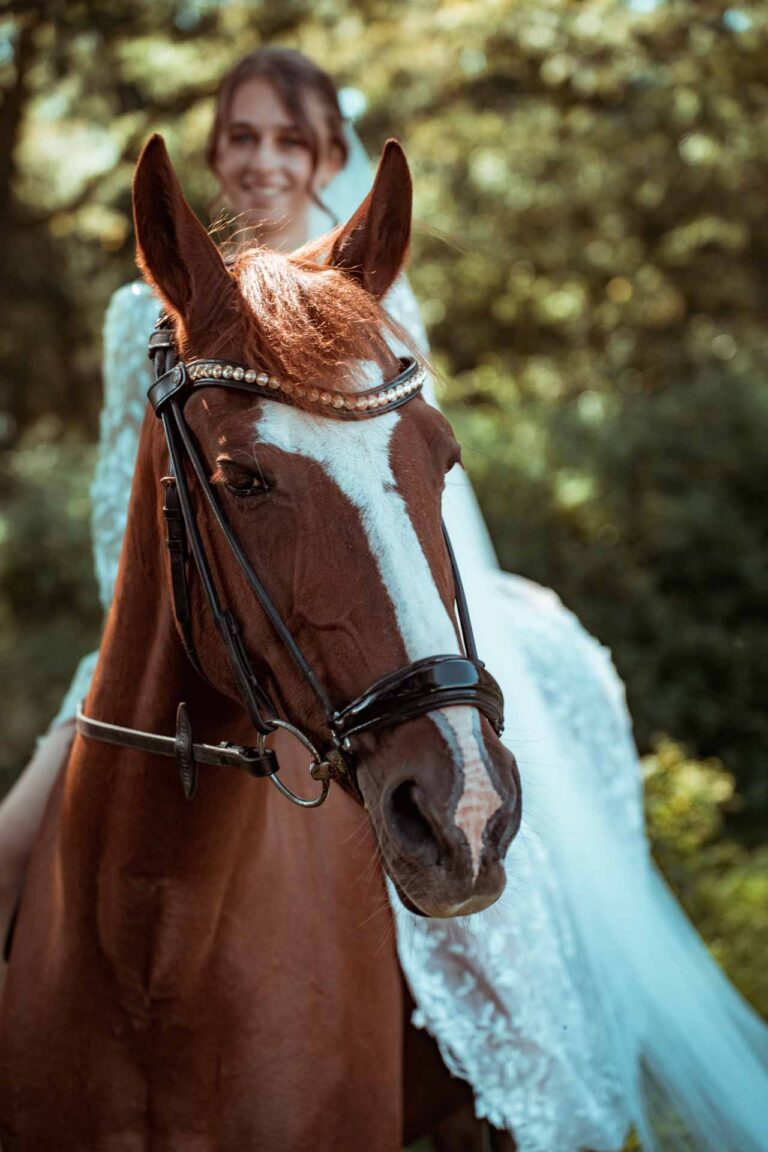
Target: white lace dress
[{"x": 586, "y": 972}]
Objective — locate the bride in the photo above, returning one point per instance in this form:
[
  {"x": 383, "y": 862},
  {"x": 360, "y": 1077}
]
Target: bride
[{"x": 584, "y": 1002}]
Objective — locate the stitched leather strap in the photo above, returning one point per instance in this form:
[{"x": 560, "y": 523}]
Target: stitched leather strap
[
  {"x": 172, "y": 383},
  {"x": 435, "y": 682},
  {"x": 178, "y": 553},
  {"x": 254, "y": 761}
]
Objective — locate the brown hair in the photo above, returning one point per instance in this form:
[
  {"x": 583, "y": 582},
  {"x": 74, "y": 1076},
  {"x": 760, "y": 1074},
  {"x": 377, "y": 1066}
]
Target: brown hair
[{"x": 293, "y": 76}]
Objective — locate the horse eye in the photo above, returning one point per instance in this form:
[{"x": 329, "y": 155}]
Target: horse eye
[{"x": 241, "y": 481}]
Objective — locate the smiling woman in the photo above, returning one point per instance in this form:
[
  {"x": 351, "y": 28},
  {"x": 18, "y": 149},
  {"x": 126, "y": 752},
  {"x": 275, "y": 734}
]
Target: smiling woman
[{"x": 277, "y": 136}]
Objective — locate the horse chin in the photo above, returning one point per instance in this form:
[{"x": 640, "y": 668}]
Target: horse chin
[
  {"x": 406, "y": 901},
  {"x": 436, "y": 905}
]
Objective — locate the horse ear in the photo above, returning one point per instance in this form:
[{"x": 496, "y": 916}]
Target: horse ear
[
  {"x": 372, "y": 246},
  {"x": 175, "y": 253}
]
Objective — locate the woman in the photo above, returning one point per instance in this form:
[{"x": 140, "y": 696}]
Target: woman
[{"x": 584, "y": 1001}]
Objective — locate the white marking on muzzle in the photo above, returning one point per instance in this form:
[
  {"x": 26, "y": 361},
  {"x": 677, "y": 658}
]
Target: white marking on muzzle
[
  {"x": 479, "y": 799},
  {"x": 355, "y": 455}
]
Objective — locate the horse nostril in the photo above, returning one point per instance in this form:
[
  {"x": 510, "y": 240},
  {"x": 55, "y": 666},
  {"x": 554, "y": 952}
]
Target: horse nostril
[{"x": 411, "y": 826}]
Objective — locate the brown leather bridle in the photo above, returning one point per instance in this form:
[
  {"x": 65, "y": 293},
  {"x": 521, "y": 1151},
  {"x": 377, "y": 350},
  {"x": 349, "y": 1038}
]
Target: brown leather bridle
[{"x": 421, "y": 687}]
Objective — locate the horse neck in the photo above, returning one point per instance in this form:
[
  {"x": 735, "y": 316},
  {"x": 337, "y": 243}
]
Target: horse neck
[
  {"x": 169, "y": 893},
  {"x": 142, "y": 675},
  {"x": 143, "y": 671}
]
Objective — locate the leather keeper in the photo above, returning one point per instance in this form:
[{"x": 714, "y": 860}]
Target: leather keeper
[
  {"x": 176, "y": 544},
  {"x": 258, "y": 762},
  {"x": 172, "y": 383}
]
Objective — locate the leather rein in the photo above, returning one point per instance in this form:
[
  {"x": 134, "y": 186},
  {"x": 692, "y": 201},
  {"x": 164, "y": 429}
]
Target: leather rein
[{"x": 420, "y": 687}]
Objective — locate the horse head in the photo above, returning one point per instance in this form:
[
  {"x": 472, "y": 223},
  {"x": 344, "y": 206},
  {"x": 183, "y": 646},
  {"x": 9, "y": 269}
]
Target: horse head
[{"x": 339, "y": 514}]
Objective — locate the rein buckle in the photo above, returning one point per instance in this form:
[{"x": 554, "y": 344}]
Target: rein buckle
[{"x": 329, "y": 768}]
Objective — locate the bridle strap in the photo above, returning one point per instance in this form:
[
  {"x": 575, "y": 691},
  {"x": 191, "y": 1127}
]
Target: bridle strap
[
  {"x": 260, "y": 708},
  {"x": 163, "y": 354},
  {"x": 181, "y": 379},
  {"x": 436, "y": 682},
  {"x": 246, "y": 567},
  {"x": 426, "y": 685},
  {"x": 468, "y": 634},
  {"x": 224, "y": 755},
  {"x": 178, "y": 555},
  {"x": 260, "y": 761}
]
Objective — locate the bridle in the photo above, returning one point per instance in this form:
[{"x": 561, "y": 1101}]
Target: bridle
[{"x": 418, "y": 688}]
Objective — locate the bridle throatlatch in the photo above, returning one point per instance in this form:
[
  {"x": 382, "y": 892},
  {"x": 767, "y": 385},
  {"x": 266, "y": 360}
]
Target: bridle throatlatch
[{"x": 435, "y": 682}]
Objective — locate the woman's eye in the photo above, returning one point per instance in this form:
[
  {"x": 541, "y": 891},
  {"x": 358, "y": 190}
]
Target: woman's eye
[
  {"x": 241, "y": 481},
  {"x": 293, "y": 142}
]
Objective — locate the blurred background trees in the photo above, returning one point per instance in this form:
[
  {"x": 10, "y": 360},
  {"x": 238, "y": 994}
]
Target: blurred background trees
[{"x": 591, "y": 254}]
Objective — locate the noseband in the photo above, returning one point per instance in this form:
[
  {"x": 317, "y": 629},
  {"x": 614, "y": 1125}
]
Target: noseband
[{"x": 421, "y": 687}]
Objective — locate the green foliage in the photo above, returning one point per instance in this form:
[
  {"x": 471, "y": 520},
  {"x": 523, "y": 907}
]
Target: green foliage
[
  {"x": 723, "y": 886},
  {"x": 646, "y": 512},
  {"x": 49, "y": 613}
]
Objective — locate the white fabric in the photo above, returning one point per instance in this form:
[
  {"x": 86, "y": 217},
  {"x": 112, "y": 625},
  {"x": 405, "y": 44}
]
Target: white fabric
[
  {"x": 347, "y": 190},
  {"x": 587, "y": 971},
  {"x": 130, "y": 317}
]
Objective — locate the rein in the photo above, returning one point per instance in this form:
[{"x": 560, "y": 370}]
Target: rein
[{"x": 418, "y": 688}]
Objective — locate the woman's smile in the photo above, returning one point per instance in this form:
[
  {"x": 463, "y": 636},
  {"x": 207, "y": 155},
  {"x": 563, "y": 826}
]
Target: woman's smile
[{"x": 262, "y": 194}]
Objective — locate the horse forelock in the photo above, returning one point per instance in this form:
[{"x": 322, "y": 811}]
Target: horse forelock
[{"x": 308, "y": 323}]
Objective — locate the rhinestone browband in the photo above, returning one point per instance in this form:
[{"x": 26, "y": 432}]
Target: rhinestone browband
[{"x": 409, "y": 381}]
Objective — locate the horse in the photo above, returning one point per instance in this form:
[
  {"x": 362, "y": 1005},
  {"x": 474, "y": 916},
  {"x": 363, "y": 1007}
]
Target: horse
[{"x": 199, "y": 963}]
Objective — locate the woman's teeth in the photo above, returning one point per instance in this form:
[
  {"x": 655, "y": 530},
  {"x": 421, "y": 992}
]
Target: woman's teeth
[{"x": 262, "y": 193}]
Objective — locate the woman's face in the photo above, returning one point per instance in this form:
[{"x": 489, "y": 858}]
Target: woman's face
[{"x": 264, "y": 163}]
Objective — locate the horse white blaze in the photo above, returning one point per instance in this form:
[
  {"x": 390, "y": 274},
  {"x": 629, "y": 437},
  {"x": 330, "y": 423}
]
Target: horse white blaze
[{"x": 355, "y": 455}]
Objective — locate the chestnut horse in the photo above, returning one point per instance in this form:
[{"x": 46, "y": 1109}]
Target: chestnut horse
[{"x": 220, "y": 973}]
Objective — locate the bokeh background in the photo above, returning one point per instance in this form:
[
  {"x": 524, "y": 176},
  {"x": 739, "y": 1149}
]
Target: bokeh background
[{"x": 591, "y": 255}]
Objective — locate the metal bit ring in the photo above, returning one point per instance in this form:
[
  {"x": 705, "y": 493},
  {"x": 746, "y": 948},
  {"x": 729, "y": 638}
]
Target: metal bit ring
[{"x": 317, "y": 763}]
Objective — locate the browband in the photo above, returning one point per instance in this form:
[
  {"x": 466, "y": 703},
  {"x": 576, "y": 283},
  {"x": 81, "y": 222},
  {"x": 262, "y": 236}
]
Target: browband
[{"x": 183, "y": 379}]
